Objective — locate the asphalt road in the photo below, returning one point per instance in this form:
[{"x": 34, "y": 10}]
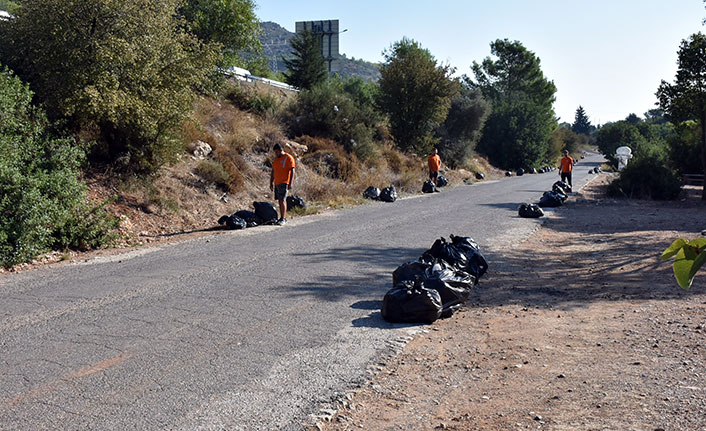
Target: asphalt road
[{"x": 249, "y": 330}]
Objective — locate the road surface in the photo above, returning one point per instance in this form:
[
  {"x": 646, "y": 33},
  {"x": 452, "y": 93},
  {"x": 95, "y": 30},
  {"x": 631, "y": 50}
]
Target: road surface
[{"x": 249, "y": 330}]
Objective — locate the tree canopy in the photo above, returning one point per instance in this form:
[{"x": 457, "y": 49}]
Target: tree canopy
[
  {"x": 581, "y": 122},
  {"x": 517, "y": 132},
  {"x": 307, "y": 67},
  {"x": 124, "y": 69},
  {"x": 415, "y": 91},
  {"x": 230, "y": 23},
  {"x": 685, "y": 99}
]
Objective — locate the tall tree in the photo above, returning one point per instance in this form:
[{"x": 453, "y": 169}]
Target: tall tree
[
  {"x": 415, "y": 92},
  {"x": 461, "y": 130},
  {"x": 232, "y": 24},
  {"x": 685, "y": 99},
  {"x": 122, "y": 69},
  {"x": 307, "y": 66},
  {"x": 518, "y": 130},
  {"x": 581, "y": 122}
]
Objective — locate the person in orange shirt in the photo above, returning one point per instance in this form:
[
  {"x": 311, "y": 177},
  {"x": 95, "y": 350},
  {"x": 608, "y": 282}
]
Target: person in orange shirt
[
  {"x": 281, "y": 179},
  {"x": 434, "y": 165},
  {"x": 565, "y": 168}
]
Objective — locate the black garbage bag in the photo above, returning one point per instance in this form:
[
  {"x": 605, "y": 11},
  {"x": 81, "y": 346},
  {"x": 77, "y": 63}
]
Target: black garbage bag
[
  {"x": 520, "y": 172},
  {"x": 232, "y": 222},
  {"x": 441, "y": 181},
  {"x": 411, "y": 302},
  {"x": 454, "y": 286},
  {"x": 479, "y": 176},
  {"x": 561, "y": 187},
  {"x": 429, "y": 187},
  {"x": 477, "y": 265},
  {"x": 372, "y": 193},
  {"x": 533, "y": 171},
  {"x": 266, "y": 211},
  {"x": 250, "y": 217},
  {"x": 508, "y": 173},
  {"x": 409, "y": 271},
  {"x": 462, "y": 253},
  {"x": 388, "y": 194},
  {"x": 550, "y": 200},
  {"x": 530, "y": 211},
  {"x": 295, "y": 202},
  {"x": 561, "y": 195}
]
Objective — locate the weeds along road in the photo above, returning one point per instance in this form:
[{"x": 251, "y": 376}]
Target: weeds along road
[{"x": 250, "y": 330}]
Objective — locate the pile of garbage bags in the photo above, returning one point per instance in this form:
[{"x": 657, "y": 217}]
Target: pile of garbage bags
[
  {"x": 441, "y": 181},
  {"x": 437, "y": 284},
  {"x": 388, "y": 194},
  {"x": 556, "y": 197},
  {"x": 265, "y": 213}
]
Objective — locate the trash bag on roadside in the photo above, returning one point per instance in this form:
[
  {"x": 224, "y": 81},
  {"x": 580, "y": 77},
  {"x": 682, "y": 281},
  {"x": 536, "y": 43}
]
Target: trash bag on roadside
[
  {"x": 479, "y": 176},
  {"x": 520, "y": 172},
  {"x": 409, "y": 271},
  {"x": 561, "y": 195},
  {"x": 411, "y": 302},
  {"x": 508, "y": 173},
  {"x": 533, "y": 171},
  {"x": 429, "y": 187},
  {"x": 372, "y": 193},
  {"x": 295, "y": 202},
  {"x": 550, "y": 200},
  {"x": 477, "y": 265},
  {"x": 232, "y": 222},
  {"x": 266, "y": 211},
  {"x": 250, "y": 217},
  {"x": 562, "y": 187},
  {"x": 388, "y": 194},
  {"x": 441, "y": 181},
  {"x": 454, "y": 286},
  {"x": 462, "y": 253},
  {"x": 530, "y": 211}
]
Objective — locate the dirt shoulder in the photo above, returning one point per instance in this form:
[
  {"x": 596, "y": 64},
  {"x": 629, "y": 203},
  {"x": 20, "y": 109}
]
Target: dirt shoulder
[{"x": 579, "y": 327}]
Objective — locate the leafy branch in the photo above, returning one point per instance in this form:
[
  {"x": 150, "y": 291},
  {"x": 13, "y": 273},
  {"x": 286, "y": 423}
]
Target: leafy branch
[{"x": 688, "y": 256}]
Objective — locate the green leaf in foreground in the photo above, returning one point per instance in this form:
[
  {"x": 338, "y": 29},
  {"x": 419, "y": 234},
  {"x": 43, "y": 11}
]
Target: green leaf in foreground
[{"x": 689, "y": 257}]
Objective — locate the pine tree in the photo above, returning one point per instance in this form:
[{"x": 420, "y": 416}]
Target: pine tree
[
  {"x": 581, "y": 122},
  {"x": 307, "y": 67}
]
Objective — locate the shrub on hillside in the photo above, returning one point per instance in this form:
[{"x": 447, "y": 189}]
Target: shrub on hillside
[
  {"x": 327, "y": 111},
  {"x": 329, "y": 159},
  {"x": 42, "y": 202},
  {"x": 647, "y": 177},
  {"x": 251, "y": 100}
]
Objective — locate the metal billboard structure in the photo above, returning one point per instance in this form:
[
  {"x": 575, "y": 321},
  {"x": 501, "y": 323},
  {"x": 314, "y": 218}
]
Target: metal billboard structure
[{"x": 328, "y": 30}]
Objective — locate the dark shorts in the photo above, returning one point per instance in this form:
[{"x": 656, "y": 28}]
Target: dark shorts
[
  {"x": 281, "y": 192},
  {"x": 433, "y": 175}
]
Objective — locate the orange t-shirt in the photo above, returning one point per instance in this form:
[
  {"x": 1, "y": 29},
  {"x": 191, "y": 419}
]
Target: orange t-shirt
[
  {"x": 567, "y": 164},
  {"x": 282, "y": 167},
  {"x": 434, "y": 163}
]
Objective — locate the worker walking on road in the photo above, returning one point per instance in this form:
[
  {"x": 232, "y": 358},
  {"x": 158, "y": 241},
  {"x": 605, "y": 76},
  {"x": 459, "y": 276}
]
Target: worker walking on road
[
  {"x": 281, "y": 179},
  {"x": 434, "y": 165},
  {"x": 565, "y": 168}
]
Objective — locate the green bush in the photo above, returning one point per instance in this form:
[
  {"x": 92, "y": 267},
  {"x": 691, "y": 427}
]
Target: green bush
[
  {"x": 124, "y": 70},
  {"x": 213, "y": 172},
  {"x": 647, "y": 177},
  {"x": 42, "y": 202},
  {"x": 252, "y": 101},
  {"x": 327, "y": 111}
]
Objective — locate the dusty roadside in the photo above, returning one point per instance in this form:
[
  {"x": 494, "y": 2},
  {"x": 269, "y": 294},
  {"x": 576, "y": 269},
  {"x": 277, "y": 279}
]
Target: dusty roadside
[{"x": 580, "y": 327}]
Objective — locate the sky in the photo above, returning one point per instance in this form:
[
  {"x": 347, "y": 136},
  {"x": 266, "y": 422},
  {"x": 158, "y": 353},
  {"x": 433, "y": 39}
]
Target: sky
[{"x": 608, "y": 56}]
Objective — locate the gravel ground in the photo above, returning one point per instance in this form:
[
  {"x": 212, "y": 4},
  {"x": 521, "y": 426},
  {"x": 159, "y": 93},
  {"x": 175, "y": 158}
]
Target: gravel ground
[{"x": 579, "y": 327}]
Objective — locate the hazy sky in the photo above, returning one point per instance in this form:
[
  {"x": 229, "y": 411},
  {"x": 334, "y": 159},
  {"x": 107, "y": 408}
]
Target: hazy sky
[{"x": 607, "y": 55}]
